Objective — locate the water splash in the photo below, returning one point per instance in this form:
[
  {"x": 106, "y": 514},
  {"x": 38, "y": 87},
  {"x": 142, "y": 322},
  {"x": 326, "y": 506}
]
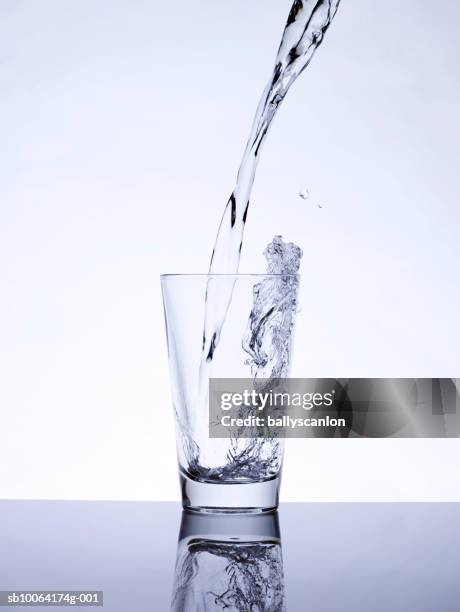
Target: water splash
[
  {"x": 267, "y": 342},
  {"x": 269, "y": 333}
]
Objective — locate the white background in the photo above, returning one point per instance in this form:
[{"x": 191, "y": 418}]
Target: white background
[{"x": 122, "y": 126}]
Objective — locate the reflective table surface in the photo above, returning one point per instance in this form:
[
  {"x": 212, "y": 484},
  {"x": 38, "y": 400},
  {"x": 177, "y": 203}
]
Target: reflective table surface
[{"x": 149, "y": 556}]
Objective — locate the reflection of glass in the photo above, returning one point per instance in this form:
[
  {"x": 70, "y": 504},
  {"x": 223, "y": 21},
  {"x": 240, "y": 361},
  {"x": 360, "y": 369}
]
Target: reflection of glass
[
  {"x": 230, "y": 475},
  {"x": 231, "y": 563}
]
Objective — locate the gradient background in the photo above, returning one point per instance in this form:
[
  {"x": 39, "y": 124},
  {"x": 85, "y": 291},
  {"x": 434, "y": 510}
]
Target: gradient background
[{"x": 122, "y": 126}]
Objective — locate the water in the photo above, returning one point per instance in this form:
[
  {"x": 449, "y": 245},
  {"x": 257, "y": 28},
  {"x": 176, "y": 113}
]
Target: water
[
  {"x": 306, "y": 26},
  {"x": 304, "y": 193},
  {"x": 233, "y": 576},
  {"x": 267, "y": 343},
  {"x": 268, "y": 336},
  {"x": 304, "y": 32},
  {"x": 267, "y": 339},
  {"x": 229, "y": 563}
]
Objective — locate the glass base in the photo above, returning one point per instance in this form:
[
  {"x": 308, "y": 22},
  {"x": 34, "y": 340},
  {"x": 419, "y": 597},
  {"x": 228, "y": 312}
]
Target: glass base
[{"x": 229, "y": 498}]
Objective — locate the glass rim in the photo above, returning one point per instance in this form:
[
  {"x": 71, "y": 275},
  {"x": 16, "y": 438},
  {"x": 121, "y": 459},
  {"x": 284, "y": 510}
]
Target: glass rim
[{"x": 225, "y": 275}]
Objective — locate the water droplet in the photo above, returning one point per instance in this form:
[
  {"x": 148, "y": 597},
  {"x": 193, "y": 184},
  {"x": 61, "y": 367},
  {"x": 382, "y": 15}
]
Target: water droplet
[
  {"x": 320, "y": 206},
  {"x": 304, "y": 193}
]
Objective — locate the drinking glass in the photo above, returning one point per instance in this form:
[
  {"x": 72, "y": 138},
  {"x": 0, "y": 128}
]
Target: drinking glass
[
  {"x": 218, "y": 475},
  {"x": 229, "y": 562}
]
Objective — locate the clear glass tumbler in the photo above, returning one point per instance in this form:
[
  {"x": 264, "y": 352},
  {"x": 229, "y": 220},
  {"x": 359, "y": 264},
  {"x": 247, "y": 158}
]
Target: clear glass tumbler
[
  {"x": 227, "y": 562},
  {"x": 224, "y": 475}
]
